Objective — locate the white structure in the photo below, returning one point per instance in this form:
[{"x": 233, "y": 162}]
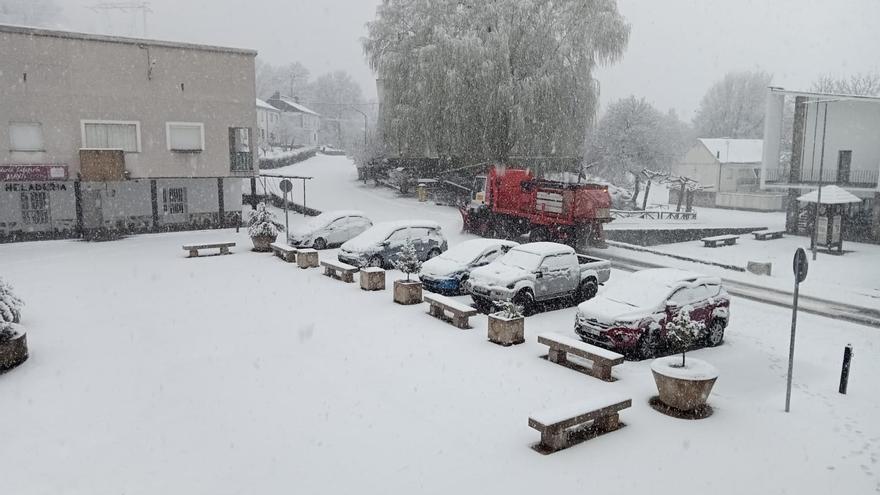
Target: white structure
[
  {"x": 729, "y": 171},
  {"x": 299, "y": 125},
  {"x": 268, "y": 119},
  {"x": 835, "y": 139}
]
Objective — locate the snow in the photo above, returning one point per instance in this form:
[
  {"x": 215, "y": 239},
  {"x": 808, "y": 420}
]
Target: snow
[
  {"x": 544, "y": 248},
  {"x": 579, "y": 344},
  {"x": 322, "y": 220},
  {"x": 707, "y": 218},
  {"x": 379, "y": 232},
  {"x": 735, "y": 150},
  {"x": 458, "y": 257},
  {"x": 559, "y": 414},
  {"x": 831, "y": 195},
  {"x": 265, "y": 106},
  {"x": 153, "y": 373},
  {"x": 694, "y": 369}
]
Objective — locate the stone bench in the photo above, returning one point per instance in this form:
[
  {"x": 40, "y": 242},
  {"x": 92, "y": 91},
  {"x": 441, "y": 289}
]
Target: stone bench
[
  {"x": 461, "y": 313},
  {"x": 559, "y": 426},
  {"x": 195, "y": 248},
  {"x": 283, "y": 251},
  {"x": 372, "y": 278},
  {"x": 763, "y": 235},
  {"x": 560, "y": 346},
  {"x": 339, "y": 270},
  {"x": 720, "y": 240},
  {"x": 307, "y": 258}
]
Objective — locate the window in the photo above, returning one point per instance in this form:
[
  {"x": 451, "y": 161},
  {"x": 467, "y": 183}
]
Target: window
[
  {"x": 240, "y": 156},
  {"x": 558, "y": 262},
  {"x": 35, "y": 207},
  {"x": 104, "y": 134},
  {"x": 26, "y": 136},
  {"x": 399, "y": 236},
  {"x": 185, "y": 136},
  {"x": 174, "y": 200}
]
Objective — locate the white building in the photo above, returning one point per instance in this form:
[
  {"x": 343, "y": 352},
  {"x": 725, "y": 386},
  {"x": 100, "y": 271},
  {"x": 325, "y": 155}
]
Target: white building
[
  {"x": 299, "y": 125},
  {"x": 838, "y": 135},
  {"x": 268, "y": 118}
]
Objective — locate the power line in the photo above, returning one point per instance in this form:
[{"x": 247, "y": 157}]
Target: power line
[{"x": 142, "y": 7}]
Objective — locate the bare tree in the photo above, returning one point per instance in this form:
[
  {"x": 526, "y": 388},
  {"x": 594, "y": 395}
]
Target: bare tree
[
  {"x": 291, "y": 79},
  {"x": 861, "y": 84},
  {"x": 734, "y": 106}
]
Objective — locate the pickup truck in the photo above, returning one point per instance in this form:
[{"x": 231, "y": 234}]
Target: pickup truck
[{"x": 537, "y": 272}]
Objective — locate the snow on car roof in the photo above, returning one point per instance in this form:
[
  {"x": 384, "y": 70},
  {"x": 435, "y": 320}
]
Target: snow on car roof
[
  {"x": 670, "y": 276},
  {"x": 468, "y": 250},
  {"x": 324, "y": 219},
  {"x": 543, "y": 248},
  {"x": 380, "y": 231}
]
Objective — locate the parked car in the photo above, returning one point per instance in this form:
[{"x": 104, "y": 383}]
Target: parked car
[
  {"x": 381, "y": 244},
  {"x": 331, "y": 228},
  {"x": 632, "y": 314},
  {"x": 445, "y": 273},
  {"x": 538, "y": 272}
]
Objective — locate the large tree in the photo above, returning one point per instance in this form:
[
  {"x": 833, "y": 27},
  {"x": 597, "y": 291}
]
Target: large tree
[
  {"x": 862, "y": 84},
  {"x": 734, "y": 106},
  {"x": 291, "y": 79},
  {"x": 485, "y": 79},
  {"x": 338, "y": 98},
  {"x": 633, "y": 135}
]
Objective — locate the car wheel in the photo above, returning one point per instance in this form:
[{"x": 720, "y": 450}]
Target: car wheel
[
  {"x": 587, "y": 290},
  {"x": 319, "y": 243},
  {"x": 715, "y": 333},
  {"x": 433, "y": 253},
  {"x": 483, "y": 305},
  {"x": 375, "y": 261},
  {"x": 647, "y": 346},
  {"x": 526, "y": 299}
]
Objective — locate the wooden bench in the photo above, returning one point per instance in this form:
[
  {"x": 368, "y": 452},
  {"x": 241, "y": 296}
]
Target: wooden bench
[
  {"x": 339, "y": 270},
  {"x": 195, "y": 248},
  {"x": 559, "y": 426},
  {"x": 283, "y": 251},
  {"x": 763, "y": 235},
  {"x": 460, "y": 312},
  {"x": 723, "y": 240},
  {"x": 560, "y": 346}
]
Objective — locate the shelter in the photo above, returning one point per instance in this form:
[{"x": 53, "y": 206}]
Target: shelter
[{"x": 829, "y": 205}]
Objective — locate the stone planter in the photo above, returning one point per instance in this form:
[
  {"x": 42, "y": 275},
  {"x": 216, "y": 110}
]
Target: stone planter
[
  {"x": 14, "y": 351},
  {"x": 261, "y": 242},
  {"x": 372, "y": 278},
  {"x": 307, "y": 258},
  {"x": 683, "y": 389},
  {"x": 407, "y": 292},
  {"x": 506, "y": 331}
]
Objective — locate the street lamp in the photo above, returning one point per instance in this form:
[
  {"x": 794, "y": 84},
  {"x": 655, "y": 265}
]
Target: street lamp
[{"x": 365, "y": 125}]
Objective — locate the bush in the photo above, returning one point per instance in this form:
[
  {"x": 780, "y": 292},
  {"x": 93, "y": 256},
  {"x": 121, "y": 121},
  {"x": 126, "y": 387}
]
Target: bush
[
  {"x": 262, "y": 222},
  {"x": 508, "y": 310},
  {"x": 683, "y": 331},
  {"x": 10, "y": 304},
  {"x": 408, "y": 262}
]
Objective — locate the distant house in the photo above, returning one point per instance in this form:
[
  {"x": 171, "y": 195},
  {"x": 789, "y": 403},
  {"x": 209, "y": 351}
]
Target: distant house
[
  {"x": 299, "y": 125},
  {"x": 729, "y": 171},
  {"x": 268, "y": 119}
]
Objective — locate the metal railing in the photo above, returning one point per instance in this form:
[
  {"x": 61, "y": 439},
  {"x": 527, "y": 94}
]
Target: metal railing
[
  {"x": 655, "y": 214},
  {"x": 866, "y": 178},
  {"x": 241, "y": 161}
]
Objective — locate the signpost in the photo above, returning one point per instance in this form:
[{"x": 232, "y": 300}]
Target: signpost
[
  {"x": 800, "y": 266},
  {"x": 286, "y": 187}
]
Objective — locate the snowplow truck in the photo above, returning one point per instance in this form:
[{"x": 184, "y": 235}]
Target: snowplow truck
[{"x": 510, "y": 202}]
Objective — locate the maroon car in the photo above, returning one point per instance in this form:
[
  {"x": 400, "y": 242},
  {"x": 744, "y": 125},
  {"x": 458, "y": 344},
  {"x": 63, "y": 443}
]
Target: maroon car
[{"x": 631, "y": 315}]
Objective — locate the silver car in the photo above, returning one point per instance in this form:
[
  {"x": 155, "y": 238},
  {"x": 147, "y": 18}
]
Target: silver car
[
  {"x": 331, "y": 228},
  {"x": 381, "y": 244}
]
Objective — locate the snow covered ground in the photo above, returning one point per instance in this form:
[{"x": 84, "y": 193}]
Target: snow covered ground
[{"x": 153, "y": 373}]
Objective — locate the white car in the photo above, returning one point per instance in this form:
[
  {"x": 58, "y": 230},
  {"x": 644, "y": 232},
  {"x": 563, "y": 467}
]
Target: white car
[
  {"x": 445, "y": 273},
  {"x": 331, "y": 228},
  {"x": 382, "y": 244}
]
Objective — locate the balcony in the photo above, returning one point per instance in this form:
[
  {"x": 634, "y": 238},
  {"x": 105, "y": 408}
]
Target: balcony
[
  {"x": 856, "y": 178},
  {"x": 241, "y": 162}
]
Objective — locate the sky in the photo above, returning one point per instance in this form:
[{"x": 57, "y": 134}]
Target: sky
[{"x": 677, "y": 48}]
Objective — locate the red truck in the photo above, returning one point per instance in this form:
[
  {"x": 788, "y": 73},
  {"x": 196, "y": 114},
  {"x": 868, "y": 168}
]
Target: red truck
[{"x": 510, "y": 202}]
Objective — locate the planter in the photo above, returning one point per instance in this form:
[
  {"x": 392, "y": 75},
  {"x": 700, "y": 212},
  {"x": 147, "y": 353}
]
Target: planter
[
  {"x": 14, "y": 351},
  {"x": 261, "y": 242},
  {"x": 407, "y": 292},
  {"x": 372, "y": 278},
  {"x": 683, "y": 389},
  {"x": 506, "y": 331}
]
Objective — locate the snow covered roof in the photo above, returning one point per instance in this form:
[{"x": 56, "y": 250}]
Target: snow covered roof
[
  {"x": 262, "y": 104},
  {"x": 831, "y": 195},
  {"x": 544, "y": 248},
  {"x": 295, "y": 106},
  {"x": 735, "y": 150}
]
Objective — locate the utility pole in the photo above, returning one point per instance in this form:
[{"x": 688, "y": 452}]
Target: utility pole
[{"x": 142, "y": 7}]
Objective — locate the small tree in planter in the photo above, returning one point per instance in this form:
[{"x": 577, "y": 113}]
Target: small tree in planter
[
  {"x": 683, "y": 384},
  {"x": 507, "y": 325},
  {"x": 263, "y": 228},
  {"x": 10, "y": 304},
  {"x": 13, "y": 341},
  {"x": 408, "y": 291}
]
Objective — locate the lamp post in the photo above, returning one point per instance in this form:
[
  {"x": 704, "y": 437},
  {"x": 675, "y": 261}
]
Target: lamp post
[{"x": 365, "y": 125}]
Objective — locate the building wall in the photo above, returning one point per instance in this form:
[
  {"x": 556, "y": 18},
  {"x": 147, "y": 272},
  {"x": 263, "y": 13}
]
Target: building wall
[
  {"x": 699, "y": 164},
  {"x": 58, "y": 82},
  {"x": 851, "y": 125},
  {"x": 739, "y": 177},
  {"x": 267, "y": 124}
]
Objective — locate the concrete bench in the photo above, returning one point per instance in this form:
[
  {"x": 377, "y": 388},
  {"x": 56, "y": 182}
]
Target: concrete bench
[
  {"x": 195, "y": 248},
  {"x": 339, "y": 270},
  {"x": 559, "y": 426},
  {"x": 307, "y": 258},
  {"x": 722, "y": 240},
  {"x": 763, "y": 235},
  {"x": 560, "y": 346},
  {"x": 461, "y": 313},
  {"x": 283, "y": 251}
]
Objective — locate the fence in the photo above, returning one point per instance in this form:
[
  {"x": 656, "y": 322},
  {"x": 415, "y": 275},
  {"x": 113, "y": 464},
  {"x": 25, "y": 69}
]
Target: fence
[{"x": 655, "y": 214}]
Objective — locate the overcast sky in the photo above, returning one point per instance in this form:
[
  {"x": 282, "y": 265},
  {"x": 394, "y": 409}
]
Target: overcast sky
[{"x": 677, "y": 47}]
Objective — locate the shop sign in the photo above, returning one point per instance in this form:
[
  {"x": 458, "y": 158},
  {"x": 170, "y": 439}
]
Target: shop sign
[{"x": 53, "y": 171}]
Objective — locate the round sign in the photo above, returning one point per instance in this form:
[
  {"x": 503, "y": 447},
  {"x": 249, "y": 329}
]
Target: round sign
[
  {"x": 286, "y": 186},
  {"x": 800, "y": 265}
]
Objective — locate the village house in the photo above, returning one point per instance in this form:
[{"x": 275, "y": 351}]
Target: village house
[
  {"x": 268, "y": 119},
  {"x": 299, "y": 125}
]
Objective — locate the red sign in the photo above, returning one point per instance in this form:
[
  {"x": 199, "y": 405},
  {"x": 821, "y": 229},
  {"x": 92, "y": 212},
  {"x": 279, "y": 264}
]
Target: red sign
[{"x": 53, "y": 171}]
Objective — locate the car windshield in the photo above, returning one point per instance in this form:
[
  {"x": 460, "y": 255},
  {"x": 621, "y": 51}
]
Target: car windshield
[
  {"x": 466, "y": 252},
  {"x": 637, "y": 292},
  {"x": 521, "y": 259}
]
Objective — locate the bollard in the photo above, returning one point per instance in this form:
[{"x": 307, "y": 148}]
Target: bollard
[
  {"x": 844, "y": 370},
  {"x": 422, "y": 190}
]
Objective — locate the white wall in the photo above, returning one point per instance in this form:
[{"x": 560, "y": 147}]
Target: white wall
[{"x": 852, "y": 125}]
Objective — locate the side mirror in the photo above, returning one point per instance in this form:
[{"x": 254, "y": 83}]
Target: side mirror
[
  {"x": 539, "y": 273},
  {"x": 384, "y": 243}
]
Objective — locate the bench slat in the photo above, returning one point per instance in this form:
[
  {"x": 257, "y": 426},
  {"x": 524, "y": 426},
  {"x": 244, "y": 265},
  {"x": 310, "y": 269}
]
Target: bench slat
[
  {"x": 582, "y": 349},
  {"x": 208, "y": 246},
  {"x": 579, "y": 412},
  {"x": 450, "y": 304},
  {"x": 718, "y": 238},
  {"x": 338, "y": 265}
]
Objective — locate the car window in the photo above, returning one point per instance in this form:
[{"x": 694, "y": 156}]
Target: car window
[
  {"x": 398, "y": 235},
  {"x": 681, "y": 297},
  {"x": 420, "y": 232},
  {"x": 336, "y": 224},
  {"x": 553, "y": 263}
]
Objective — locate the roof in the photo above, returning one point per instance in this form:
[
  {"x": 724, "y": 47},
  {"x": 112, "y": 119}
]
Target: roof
[
  {"x": 544, "y": 248},
  {"x": 831, "y": 195},
  {"x": 265, "y": 106},
  {"x": 294, "y": 106},
  {"x": 50, "y": 33},
  {"x": 669, "y": 277},
  {"x": 825, "y": 96},
  {"x": 735, "y": 150}
]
